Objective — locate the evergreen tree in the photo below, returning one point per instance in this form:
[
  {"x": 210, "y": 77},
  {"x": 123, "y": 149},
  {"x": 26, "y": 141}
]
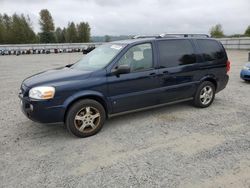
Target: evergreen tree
[
  {"x": 47, "y": 27},
  {"x": 21, "y": 30},
  {"x": 83, "y": 30},
  {"x": 7, "y": 27},
  {"x": 58, "y": 35},
  {"x": 86, "y": 32},
  {"x": 64, "y": 33},
  {"x": 28, "y": 30},
  {"x": 71, "y": 35},
  {"x": 2, "y": 30},
  {"x": 17, "y": 29}
]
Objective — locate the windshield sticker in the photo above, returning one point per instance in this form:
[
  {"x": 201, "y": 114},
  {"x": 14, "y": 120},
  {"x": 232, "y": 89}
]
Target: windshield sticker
[{"x": 116, "y": 47}]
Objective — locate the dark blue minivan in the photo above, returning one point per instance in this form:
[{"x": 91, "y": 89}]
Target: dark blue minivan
[{"x": 126, "y": 76}]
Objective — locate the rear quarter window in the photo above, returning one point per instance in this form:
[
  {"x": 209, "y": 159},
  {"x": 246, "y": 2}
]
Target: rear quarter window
[
  {"x": 176, "y": 52},
  {"x": 211, "y": 50}
]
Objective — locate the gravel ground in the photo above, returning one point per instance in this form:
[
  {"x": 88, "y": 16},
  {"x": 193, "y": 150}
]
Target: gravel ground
[{"x": 174, "y": 146}]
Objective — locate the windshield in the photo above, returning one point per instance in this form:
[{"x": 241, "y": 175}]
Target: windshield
[{"x": 98, "y": 58}]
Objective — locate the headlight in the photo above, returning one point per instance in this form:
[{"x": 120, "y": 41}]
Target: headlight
[
  {"x": 246, "y": 68},
  {"x": 43, "y": 92}
]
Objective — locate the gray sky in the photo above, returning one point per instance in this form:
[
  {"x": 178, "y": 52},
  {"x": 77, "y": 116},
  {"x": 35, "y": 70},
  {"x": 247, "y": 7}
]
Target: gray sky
[{"x": 118, "y": 17}]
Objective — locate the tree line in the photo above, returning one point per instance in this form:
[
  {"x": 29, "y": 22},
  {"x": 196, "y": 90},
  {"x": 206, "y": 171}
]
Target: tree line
[
  {"x": 217, "y": 32},
  {"x": 17, "y": 29}
]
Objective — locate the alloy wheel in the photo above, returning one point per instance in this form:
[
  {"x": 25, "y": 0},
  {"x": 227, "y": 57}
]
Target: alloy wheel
[
  {"x": 206, "y": 95},
  {"x": 87, "y": 119}
]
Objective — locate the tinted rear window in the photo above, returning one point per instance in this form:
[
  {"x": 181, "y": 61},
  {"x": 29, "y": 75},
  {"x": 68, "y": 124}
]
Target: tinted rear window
[
  {"x": 176, "y": 52},
  {"x": 210, "y": 50}
]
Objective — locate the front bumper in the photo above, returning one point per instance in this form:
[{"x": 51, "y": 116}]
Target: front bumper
[
  {"x": 245, "y": 74},
  {"x": 42, "y": 111}
]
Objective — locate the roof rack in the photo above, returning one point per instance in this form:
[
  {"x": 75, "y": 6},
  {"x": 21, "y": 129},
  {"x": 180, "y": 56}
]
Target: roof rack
[
  {"x": 183, "y": 35},
  {"x": 144, "y": 36},
  {"x": 171, "y": 35}
]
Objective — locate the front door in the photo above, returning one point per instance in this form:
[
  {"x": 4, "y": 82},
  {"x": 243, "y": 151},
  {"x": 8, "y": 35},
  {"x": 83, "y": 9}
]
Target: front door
[{"x": 138, "y": 88}]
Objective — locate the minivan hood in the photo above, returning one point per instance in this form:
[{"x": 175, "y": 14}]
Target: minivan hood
[{"x": 55, "y": 76}]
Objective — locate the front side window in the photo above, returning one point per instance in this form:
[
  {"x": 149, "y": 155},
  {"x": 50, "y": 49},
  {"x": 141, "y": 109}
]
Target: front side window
[
  {"x": 138, "y": 57},
  {"x": 176, "y": 52},
  {"x": 98, "y": 58}
]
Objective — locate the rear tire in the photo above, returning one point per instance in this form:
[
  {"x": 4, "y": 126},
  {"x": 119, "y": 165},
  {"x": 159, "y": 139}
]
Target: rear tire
[
  {"x": 85, "y": 118},
  {"x": 204, "y": 95}
]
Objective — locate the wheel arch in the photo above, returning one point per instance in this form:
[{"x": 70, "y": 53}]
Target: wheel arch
[
  {"x": 211, "y": 79},
  {"x": 86, "y": 95}
]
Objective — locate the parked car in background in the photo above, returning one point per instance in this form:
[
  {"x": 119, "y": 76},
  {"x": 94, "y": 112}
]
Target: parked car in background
[
  {"x": 88, "y": 49},
  {"x": 5, "y": 52},
  {"x": 69, "y": 50},
  {"x": 126, "y": 76},
  {"x": 18, "y": 52},
  {"x": 245, "y": 72}
]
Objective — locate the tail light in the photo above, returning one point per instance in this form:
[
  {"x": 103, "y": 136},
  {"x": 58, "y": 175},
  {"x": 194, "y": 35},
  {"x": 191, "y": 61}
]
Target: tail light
[{"x": 228, "y": 66}]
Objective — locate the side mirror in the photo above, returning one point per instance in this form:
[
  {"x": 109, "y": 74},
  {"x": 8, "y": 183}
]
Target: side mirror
[
  {"x": 69, "y": 65},
  {"x": 121, "y": 69}
]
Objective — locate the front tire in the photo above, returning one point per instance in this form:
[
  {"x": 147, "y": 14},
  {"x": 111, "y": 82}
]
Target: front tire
[
  {"x": 204, "y": 95},
  {"x": 85, "y": 118}
]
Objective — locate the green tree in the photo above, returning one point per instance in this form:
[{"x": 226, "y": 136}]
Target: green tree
[
  {"x": 47, "y": 27},
  {"x": 31, "y": 35},
  {"x": 83, "y": 30},
  {"x": 21, "y": 30},
  {"x": 60, "y": 35},
  {"x": 7, "y": 27},
  {"x": 2, "y": 30},
  {"x": 247, "y": 32},
  {"x": 71, "y": 34},
  {"x": 16, "y": 29},
  {"x": 107, "y": 38},
  {"x": 64, "y": 33},
  {"x": 216, "y": 31}
]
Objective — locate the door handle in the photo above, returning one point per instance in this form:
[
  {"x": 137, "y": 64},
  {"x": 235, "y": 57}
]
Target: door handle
[{"x": 165, "y": 72}]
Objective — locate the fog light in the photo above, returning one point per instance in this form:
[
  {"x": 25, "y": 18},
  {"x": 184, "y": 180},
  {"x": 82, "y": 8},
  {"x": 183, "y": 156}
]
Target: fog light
[{"x": 31, "y": 107}]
